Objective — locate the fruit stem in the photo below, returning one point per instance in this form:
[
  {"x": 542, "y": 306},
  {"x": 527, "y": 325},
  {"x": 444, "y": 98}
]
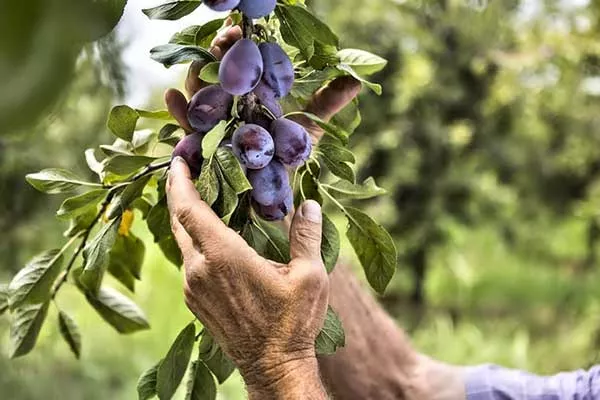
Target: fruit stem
[{"x": 247, "y": 27}]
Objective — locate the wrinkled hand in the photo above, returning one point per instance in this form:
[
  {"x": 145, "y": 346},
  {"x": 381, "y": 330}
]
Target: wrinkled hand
[{"x": 265, "y": 315}]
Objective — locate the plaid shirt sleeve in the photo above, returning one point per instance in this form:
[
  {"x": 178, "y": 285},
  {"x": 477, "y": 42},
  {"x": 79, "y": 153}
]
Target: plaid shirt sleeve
[{"x": 490, "y": 382}]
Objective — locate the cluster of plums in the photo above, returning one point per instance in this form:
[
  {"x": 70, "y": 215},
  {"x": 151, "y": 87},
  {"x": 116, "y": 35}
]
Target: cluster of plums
[
  {"x": 264, "y": 142},
  {"x": 251, "y": 8}
]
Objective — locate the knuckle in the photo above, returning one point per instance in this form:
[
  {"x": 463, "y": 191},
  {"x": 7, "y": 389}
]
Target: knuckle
[
  {"x": 313, "y": 277},
  {"x": 185, "y": 214}
]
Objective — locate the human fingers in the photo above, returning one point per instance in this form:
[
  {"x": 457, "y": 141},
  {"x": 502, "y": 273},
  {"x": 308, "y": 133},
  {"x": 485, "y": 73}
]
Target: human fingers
[
  {"x": 328, "y": 101},
  {"x": 177, "y": 106},
  {"x": 305, "y": 232},
  {"x": 194, "y": 215}
]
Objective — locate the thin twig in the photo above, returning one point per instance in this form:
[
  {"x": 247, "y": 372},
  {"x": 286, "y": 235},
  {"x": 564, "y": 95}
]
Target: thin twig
[{"x": 149, "y": 169}]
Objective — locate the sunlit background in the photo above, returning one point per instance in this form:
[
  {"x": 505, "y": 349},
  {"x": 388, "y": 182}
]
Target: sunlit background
[{"x": 487, "y": 138}]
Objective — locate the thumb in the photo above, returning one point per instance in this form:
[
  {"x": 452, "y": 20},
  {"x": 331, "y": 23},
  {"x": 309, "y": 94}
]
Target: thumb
[{"x": 305, "y": 233}]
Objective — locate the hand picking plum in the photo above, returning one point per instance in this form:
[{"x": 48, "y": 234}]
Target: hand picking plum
[
  {"x": 241, "y": 68},
  {"x": 257, "y": 8},
  {"x": 292, "y": 142},
  {"x": 221, "y": 5},
  {"x": 190, "y": 149},
  {"x": 209, "y": 106},
  {"x": 253, "y": 146},
  {"x": 278, "y": 69}
]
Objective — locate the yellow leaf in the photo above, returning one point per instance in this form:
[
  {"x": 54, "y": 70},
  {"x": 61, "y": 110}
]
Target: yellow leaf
[{"x": 126, "y": 222}]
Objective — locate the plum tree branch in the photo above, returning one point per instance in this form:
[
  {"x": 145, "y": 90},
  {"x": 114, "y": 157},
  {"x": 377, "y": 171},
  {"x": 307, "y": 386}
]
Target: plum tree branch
[{"x": 114, "y": 190}]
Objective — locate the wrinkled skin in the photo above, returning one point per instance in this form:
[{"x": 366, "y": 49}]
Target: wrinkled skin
[
  {"x": 292, "y": 142},
  {"x": 253, "y": 146},
  {"x": 241, "y": 68},
  {"x": 221, "y": 5},
  {"x": 209, "y": 106},
  {"x": 270, "y": 184},
  {"x": 278, "y": 69},
  {"x": 190, "y": 149},
  {"x": 257, "y": 8}
]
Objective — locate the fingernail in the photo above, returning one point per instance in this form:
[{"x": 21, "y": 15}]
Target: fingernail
[
  {"x": 178, "y": 159},
  {"x": 311, "y": 210}
]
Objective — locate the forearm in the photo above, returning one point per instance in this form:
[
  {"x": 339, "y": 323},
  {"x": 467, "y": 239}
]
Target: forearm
[
  {"x": 296, "y": 380},
  {"x": 378, "y": 361}
]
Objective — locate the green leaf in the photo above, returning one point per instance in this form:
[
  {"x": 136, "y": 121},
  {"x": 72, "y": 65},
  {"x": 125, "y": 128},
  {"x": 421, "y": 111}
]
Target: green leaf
[
  {"x": 324, "y": 56},
  {"x": 227, "y": 201},
  {"x": 208, "y": 183},
  {"x": 309, "y": 189},
  {"x": 341, "y": 169},
  {"x": 161, "y": 115},
  {"x": 374, "y": 247},
  {"x": 126, "y": 259},
  {"x": 3, "y": 298},
  {"x": 70, "y": 333},
  {"x": 143, "y": 205},
  {"x": 210, "y": 72},
  {"x": 331, "y": 336},
  {"x": 159, "y": 224},
  {"x": 330, "y": 244},
  {"x": 241, "y": 215},
  {"x": 122, "y": 201},
  {"x": 220, "y": 365},
  {"x": 337, "y": 153},
  {"x": 330, "y": 129},
  {"x": 32, "y": 284},
  {"x": 201, "y": 384},
  {"x": 207, "y": 32},
  {"x": 268, "y": 241},
  {"x": 305, "y": 86},
  {"x": 172, "y": 11},
  {"x": 159, "y": 221},
  {"x": 96, "y": 256},
  {"x": 170, "y": 249},
  {"x": 80, "y": 223},
  {"x": 142, "y": 139},
  {"x": 363, "y": 62},
  {"x": 299, "y": 28},
  {"x": 122, "y": 121},
  {"x": 26, "y": 324},
  {"x": 93, "y": 163},
  {"x": 81, "y": 204},
  {"x": 171, "y": 54},
  {"x": 118, "y": 310},
  {"x": 349, "y": 117},
  {"x": 346, "y": 190},
  {"x": 336, "y": 158},
  {"x": 213, "y": 139},
  {"x": 146, "y": 385},
  {"x": 122, "y": 165},
  {"x": 199, "y": 35},
  {"x": 55, "y": 180},
  {"x": 211, "y": 353},
  {"x": 232, "y": 171},
  {"x": 173, "y": 367},
  {"x": 350, "y": 71},
  {"x": 167, "y": 131}
]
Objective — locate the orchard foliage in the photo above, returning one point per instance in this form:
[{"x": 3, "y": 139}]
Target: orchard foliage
[{"x": 251, "y": 162}]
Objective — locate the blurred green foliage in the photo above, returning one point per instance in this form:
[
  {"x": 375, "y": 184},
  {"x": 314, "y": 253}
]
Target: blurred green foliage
[{"x": 487, "y": 139}]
